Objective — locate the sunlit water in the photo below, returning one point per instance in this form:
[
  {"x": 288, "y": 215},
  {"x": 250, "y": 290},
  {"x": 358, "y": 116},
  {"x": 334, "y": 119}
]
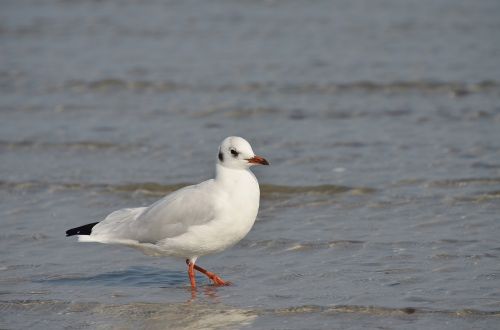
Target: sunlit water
[{"x": 381, "y": 121}]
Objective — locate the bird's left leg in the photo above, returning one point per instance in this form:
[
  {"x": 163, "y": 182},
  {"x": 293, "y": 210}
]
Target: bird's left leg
[{"x": 191, "y": 267}]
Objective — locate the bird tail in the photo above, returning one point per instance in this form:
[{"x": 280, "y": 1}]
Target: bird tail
[{"x": 82, "y": 230}]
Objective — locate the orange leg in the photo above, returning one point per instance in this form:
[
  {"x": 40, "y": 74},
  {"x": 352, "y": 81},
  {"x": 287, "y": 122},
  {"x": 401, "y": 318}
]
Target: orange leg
[
  {"x": 213, "y": 277},
  {"x": 191, "y": 274}
]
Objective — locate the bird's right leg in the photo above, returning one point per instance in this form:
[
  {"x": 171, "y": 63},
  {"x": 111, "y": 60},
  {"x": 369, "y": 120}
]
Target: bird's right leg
[{"x": 213, "y": 277}]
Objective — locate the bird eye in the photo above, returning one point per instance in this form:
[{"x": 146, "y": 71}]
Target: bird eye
[{"x": 234, "y": 152}]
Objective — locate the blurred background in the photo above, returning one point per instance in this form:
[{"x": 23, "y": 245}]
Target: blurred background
[{"x": 381, "y": 120}]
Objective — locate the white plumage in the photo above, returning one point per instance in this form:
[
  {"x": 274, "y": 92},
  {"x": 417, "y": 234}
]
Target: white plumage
[{"x": 195, "y": 220}]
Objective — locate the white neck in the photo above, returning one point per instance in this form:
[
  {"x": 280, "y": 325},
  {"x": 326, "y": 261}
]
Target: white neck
[
  {"x": 241, "y": 185},
  {"x": 237, "y": 180},
  {"x": 225, "y": 174}
]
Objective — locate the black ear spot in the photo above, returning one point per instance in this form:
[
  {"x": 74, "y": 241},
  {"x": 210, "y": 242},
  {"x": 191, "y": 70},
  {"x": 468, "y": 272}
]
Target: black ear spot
[
  {"x": 221, "y": 156},
  {"x": 234, "y": 153}
]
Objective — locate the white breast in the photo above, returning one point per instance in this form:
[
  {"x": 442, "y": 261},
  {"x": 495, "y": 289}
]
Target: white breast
[{"x": 236, "y": 194}]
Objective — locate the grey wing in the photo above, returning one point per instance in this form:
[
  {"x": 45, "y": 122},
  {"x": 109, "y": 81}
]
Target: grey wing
[
  {"x": 117, "y": 225},
  {"x": 169, "y": 217},
  {"x": 175, "y": 213}
]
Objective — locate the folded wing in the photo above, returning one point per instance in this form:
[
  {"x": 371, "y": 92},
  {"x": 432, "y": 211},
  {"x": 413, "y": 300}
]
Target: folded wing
[{"x": 169, "y": 217}]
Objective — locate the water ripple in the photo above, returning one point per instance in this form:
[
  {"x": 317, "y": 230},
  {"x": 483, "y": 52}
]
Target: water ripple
[
  {"x": 110, "y": 84},
  {"x": 288, "y": 245},
  {"x": 150, "y": 188},
  {"x": 77, "y": 145},
  {"x": 52, "y": 305},
  {"x": 139, "y": 276}
]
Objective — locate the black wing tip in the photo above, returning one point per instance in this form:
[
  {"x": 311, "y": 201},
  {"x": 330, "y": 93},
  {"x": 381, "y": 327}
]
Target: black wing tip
[{"x": 82, "y": 230}]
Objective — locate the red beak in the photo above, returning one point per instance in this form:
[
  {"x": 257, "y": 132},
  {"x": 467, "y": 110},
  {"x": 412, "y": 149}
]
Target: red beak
[{"x": 258, "y": 160}]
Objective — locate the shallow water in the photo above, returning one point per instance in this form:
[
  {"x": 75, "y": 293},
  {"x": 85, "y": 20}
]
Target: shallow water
[{"x": 381, "y": 121}]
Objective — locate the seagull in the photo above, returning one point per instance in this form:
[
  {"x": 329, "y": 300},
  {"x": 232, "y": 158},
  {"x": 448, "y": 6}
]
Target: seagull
[{"x": 193, "y": 221}]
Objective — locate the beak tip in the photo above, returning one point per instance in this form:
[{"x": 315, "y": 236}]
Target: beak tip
[{"x": 258, "y": 160}]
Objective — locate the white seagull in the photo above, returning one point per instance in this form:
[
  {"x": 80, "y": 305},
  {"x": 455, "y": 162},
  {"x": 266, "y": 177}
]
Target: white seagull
[{"x": 193, "y": 221}]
